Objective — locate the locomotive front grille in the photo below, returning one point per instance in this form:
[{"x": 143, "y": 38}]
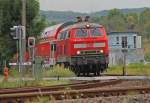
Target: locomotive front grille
[{"x": 90, "y": 52}]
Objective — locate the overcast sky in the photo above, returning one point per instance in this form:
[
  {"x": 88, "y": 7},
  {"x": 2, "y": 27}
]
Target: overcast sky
[{"x": 91, "y": 5}]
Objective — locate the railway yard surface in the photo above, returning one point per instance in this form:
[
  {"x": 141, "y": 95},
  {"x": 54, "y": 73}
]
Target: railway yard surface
[{"x": 105, "y": 89}]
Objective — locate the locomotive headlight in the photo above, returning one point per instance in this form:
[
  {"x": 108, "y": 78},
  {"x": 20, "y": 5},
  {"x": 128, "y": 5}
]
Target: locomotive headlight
[
  {"x": 101, "y": 51},
  {"x": 78, "y": 52},
  {"x": 87, "y": 26}
]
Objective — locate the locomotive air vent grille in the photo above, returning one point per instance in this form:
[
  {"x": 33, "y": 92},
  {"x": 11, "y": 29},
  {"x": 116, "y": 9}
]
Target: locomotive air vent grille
[
  {"x": 90, "y": 52},
  {"x": 79, "y": 45},
  {"x": 99, "y": 44}
]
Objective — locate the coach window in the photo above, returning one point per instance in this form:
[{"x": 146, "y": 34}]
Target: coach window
[
  {"x": 95, "y": 32},
  {"x": 81, "y": 33}
]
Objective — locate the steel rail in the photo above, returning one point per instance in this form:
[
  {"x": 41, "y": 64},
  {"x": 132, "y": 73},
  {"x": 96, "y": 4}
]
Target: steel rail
[
  {"x": 82, "y": 85},
  {"x": 92, "y": 92}
]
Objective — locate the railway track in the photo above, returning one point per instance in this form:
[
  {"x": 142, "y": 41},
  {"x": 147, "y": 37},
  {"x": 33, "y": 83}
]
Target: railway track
[
  {"x": 91, "y": 89},
  {"x": 79, "y": 85},
  {"x": 73, "y": 94}
]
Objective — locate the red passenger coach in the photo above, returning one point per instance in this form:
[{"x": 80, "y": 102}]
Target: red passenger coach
[{"x": 81, "y": 46}]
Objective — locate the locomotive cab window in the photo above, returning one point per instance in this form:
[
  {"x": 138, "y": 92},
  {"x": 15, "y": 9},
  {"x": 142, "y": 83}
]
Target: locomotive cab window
[
  {"x": 81, "y": 33},
  {"x": 62, "y": 35},
  {"x": 95, "y": 32},
  {"x": 67, "y": 35}
]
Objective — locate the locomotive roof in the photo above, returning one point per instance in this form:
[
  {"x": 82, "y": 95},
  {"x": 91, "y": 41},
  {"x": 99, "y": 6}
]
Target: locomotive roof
[
  {"x": 53, "y": 30},
  {"x": 81, "y": 25}
]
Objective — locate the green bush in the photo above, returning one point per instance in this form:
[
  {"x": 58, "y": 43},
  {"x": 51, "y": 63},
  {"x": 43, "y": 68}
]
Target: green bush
[
  {"x": 58, "y": 71},
  {"x": 14, "y": 72},
  {"x": 147, "y": 57}
]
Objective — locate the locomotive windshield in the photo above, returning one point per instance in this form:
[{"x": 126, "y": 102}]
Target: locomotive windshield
[
  {"x": 95, "y": 32},
  {"x": 81, "y": 33}
]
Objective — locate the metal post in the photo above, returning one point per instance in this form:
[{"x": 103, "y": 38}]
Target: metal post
[
  {"x": 24, "y": 31},
  {"x": 17, "y": 47},
  {"x": 20, "y": 53},
  {"x": 124, "y": 64},
  {"x": 31, "y": 47},
  {"x": 33, "y": 61},
  {"x": 124, "y": 51}
]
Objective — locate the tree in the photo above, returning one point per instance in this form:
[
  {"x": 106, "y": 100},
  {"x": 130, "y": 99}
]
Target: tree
[
  {"x": 10, "y": 15},
  {"x": 144, "y": 23},
  {"x": 132, "y": 21}
]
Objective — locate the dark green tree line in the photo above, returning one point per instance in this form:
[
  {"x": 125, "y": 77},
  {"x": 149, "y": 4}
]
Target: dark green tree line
[
  {"x": 117, "y": 21},
  {"x": 10, "y": 15}
]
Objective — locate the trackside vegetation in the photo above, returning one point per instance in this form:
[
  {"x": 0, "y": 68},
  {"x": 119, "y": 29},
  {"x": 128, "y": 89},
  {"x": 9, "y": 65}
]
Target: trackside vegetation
[
  {"x": 131, "y": 69},
  {"x": 58, "y": 71},
  {"x": 31, "y": 83}
]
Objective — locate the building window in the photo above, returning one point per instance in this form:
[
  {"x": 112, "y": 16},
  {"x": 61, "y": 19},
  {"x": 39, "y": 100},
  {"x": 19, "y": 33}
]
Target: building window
[
  {"x": 117, "y": 40},
  {"x": 134, "y": 41},
  {"x": 124, "y": 42}
]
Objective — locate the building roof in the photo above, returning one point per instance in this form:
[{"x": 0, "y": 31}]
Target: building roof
[{"x": 120, "y": 33}]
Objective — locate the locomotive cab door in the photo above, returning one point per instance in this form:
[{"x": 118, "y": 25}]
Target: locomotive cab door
[{"x": 52, "y": 53}]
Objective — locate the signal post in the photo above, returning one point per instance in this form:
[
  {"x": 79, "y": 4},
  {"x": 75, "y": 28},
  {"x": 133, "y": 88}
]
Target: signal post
[
  {"x": 31, "y": 47},
  {"x": 18, "y": 34}
]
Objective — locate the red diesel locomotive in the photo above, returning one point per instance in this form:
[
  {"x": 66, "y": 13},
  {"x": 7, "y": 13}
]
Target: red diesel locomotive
[{"x": 81, "y": 46}]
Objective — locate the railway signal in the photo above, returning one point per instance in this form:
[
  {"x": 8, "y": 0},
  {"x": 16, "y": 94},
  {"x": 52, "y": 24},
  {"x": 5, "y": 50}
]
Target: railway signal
[
  {"x": 15, "y": 32},
  {"x": 31, "y": 42},
  {"x": 31, "y": 47},
  {"x": 18, "y": 33}
]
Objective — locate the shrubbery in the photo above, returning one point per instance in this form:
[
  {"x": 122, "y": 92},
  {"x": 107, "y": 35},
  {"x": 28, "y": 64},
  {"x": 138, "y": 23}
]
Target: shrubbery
[
  {"x": 147, "y": 57},
  {"x": 58, "y": 71}
]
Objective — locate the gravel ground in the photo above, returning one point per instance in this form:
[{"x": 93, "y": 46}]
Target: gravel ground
[{"x": 141, "y": 98}]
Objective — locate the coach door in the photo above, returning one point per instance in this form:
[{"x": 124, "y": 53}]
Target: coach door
[{"x": 52, "y": 53}]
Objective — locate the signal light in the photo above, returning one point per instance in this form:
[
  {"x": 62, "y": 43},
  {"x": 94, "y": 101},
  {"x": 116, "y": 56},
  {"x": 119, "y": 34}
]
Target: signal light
[
  {"x": 31, "y": 42},
  {"x": 17, "y": 32},
  {"x": 14, "y": 32}
]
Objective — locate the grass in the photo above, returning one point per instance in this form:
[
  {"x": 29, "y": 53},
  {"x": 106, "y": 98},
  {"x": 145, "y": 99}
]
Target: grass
[
  {"x": 46, "y": 72},
  {"x": 14, "y": 84},
  {"x": 131, "y": 69},
  {"x": 58, "y": 71},
  {"x": 146, "y": 45}
]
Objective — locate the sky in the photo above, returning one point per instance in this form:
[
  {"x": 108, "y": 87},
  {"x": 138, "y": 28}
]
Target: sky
[{"x": 89, "y": 6}]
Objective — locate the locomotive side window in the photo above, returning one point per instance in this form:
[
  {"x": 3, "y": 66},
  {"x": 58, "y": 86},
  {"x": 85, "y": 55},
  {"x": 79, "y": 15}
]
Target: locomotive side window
[
  {"x": 95, "y": 32},
  {"x": 67, "y": 35},
  {"x": 64, "y": 35},
  {"x": 80, "y": 33},
  {"x": 59, "y": 36}
]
